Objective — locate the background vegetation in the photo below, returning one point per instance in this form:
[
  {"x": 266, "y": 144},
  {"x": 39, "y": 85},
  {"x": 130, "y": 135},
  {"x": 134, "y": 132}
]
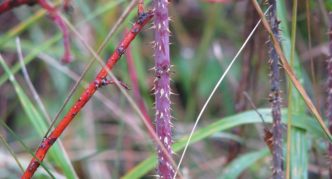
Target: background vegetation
[{"x": 108, "y": 138}]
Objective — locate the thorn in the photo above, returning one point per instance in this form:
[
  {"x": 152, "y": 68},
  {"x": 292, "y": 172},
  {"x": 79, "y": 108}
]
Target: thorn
[
  {"x": 152, "y": 27},
  {"x": 113, "y": 82},
  {"x": 152, "y": 69}
]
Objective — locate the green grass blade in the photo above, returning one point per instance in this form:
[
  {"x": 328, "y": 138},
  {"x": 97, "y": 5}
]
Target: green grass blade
[
  {"x": 57, "y": 153},
  {"x": 249, "y": 117},
  {"x": 297, "y": 147},
  {"x": 12, "y": 153},
  {"x": 31, "y": 56},
  {"x": 236, "y": 167}
]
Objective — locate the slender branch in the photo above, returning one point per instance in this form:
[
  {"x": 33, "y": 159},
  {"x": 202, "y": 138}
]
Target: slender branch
[
  {"x": 99, "y": 81},
  {"x": 329, "y": 99},
  {"x": 162, "y": 88}
]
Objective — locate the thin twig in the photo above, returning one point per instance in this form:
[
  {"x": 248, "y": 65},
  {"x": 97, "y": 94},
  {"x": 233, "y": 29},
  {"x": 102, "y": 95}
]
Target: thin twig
[
  {"x": 275, "y": 97},
  {"x": 162, "y": 89},
  {"x": 329, "y": 99}
]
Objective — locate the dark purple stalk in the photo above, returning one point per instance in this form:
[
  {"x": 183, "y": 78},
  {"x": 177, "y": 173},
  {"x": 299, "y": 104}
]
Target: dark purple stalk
[
  {"x": 275, "y": 98},
  {"x": 329, "y": 99},
  {"x": 162, "y": 88}
]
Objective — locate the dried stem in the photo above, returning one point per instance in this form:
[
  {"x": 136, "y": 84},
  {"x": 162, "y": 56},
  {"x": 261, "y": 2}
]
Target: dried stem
[
  {"x": 274, "y": 96},
  {"x": 329, "y": 99},
  {"x": 99, "y": 81},
  {"x": 162, "y": 87}
]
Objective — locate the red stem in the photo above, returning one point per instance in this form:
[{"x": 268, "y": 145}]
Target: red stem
[
  {"x": 99, "y": 81},
  {"x": 7, "y": 5}
]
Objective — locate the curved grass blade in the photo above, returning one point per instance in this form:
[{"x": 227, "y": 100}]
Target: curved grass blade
[{"x": 249, "y": 117}]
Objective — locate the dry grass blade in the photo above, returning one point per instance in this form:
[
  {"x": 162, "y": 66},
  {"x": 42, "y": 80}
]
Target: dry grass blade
[
  {"x": 291, "y": 73},
  {"x": 28, "y": 80}
]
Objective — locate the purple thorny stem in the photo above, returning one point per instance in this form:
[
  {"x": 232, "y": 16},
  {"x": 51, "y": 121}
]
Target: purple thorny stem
[
  {"x": 162, "y": 88},
  {"x": 329, "y": 99},
  {"x": 274, "y": 96}
]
